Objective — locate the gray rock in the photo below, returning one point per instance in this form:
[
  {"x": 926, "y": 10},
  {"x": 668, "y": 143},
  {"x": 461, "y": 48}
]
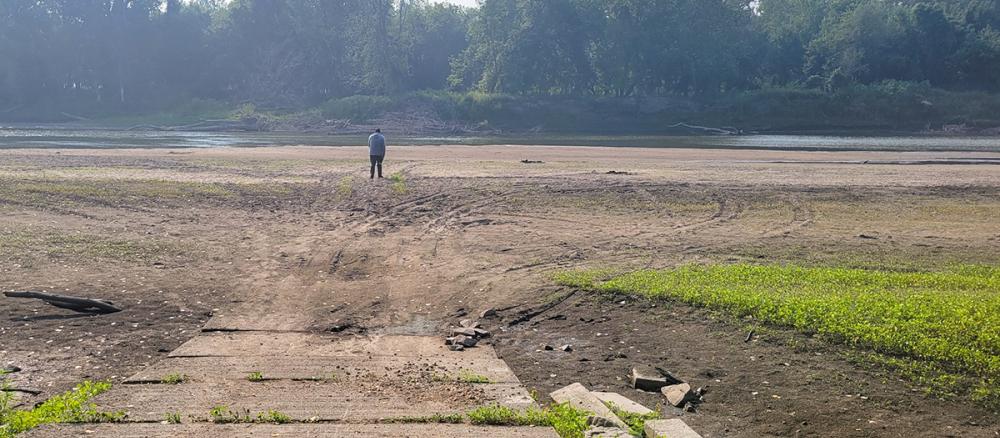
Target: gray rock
[
  {"x": 488, "y": 313},
  {"x": 567, "y": 348},
  {"x": 466, "y": 341},
  {"x": 464, "y": 332},
  {"x": 456, "y": 347},
  {"x": 469, "y": 323},
  {"x": 482, "y": 333},
  {"x": 650, "y": 379},
  {"x": 678, "y": 394}
]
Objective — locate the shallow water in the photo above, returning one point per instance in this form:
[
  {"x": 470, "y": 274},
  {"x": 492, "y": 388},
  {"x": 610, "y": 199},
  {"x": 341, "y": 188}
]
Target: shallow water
[{"x": 49, "y": 137}]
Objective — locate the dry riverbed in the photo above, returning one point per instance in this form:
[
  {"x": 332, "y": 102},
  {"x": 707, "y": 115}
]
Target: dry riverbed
[{"x": 179, "y": 236}]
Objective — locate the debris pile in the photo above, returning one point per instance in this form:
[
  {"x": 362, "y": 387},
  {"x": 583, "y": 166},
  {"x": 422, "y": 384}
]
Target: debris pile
[
  {"x": 677, "y": 392},
  {"x": 606, "y": 406},
  {"x": 466, "y": 335}
]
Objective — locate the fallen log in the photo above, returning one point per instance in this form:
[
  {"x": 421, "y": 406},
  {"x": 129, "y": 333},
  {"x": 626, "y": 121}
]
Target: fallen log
[{"x": 77, "y": 304}]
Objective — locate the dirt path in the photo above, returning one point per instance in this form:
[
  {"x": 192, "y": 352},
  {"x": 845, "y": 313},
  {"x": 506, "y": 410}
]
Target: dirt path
[{"x": 296, "y": 267}]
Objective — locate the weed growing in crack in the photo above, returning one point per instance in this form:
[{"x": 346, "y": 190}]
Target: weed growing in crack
[{"x": 173, "y": 379}]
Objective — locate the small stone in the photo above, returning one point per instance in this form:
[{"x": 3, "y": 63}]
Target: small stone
[
  {"x": 469, "y": 323},
  {"x": 466, "y": 341},
  {"x": 456, "y": 347},
  {"x": 482, "y": 333},
  {"x": 548, "y": 348},
  {"x": 567, "y": 348},
  {"x": 488, "y": 313},
  {"x": 449, "y": 341},
  {"x": 678, "y": 394}
]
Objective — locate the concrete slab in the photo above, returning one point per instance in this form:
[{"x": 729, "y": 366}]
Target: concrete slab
[
  {"x": 290, "y": 431},
  {"x": 311, "y": 345},
  {"x": 672, "y": 428},
  {"x": 579, "y": 397},
  {"x": 358, "y": 401},
  {"x": 205, "y": 369},
  {"x": 623, "y": 403}
]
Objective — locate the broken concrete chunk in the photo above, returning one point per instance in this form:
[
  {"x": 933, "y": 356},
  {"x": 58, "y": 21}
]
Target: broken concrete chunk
[
  {"x": 487, "y": 313},
  {"x": 672, "y": 428},
  {"x": 606, "y": 432},
  {"x": 465, "y": 341},
  {"x": 469, "y": 323},
  {"x": 579, "y": 397},
  {"x": 567, "y": 348},
  {"x": 622, "y": 403},
  {"x": 456, "y": 347},
  {"x": 464, "y": 331},
  {"x": 650, "y": 379},
  {"x": 483, "y": 333},
  {"x": 678, "y": 394}
]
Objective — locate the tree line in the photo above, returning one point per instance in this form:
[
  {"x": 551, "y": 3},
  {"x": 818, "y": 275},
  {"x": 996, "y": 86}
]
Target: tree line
[{"x": 80, "y": 55}]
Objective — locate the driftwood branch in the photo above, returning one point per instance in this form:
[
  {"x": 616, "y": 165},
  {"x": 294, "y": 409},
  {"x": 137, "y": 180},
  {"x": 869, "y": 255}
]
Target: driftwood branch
[
  {"x": 707, "y": 129},
  {"x": 82, "y": 305},
  {"x": 22, "y": 390}
]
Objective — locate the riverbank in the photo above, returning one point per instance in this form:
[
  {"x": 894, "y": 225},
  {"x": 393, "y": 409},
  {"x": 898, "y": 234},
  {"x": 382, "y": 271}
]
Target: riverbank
[{"x": 890, "y": 108}]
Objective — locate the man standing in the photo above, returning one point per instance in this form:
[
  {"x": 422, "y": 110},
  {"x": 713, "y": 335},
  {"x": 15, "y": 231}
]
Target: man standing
[{"x": 376, "y": 150}]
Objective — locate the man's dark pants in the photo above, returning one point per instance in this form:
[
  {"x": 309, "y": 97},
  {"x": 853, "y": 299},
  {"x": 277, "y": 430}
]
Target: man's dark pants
[{"x": 377, "y": 164}]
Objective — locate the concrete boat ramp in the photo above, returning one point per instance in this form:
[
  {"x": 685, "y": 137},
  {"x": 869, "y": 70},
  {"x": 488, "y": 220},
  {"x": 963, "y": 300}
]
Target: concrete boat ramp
[{"x": 327, "y": 386}]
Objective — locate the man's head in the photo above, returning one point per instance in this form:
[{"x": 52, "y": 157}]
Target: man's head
[{"x": 378, "y": 130}]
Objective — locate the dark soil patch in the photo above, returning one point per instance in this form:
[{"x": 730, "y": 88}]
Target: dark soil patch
[{"x": 778, "y": 384}]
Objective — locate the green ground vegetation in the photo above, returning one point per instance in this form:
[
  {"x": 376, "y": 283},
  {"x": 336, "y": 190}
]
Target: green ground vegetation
[
  {"x": 70, "y": 407},
  {"x": 398, "y": 183},
  {"x": 467, "y": 376},
  {"x": 173, "y": 379},
  {"x": 172, "y": 418},
  {"x": 947, "y": 320},
  {"x": 58, "y": 244},
  {"x": 636, "y": 422},
  {"x": 255, "y": 376},
  {"x": 568, "y": 421}
]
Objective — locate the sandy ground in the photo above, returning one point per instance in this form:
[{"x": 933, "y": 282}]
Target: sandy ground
[{"x": 179, "y": 237}]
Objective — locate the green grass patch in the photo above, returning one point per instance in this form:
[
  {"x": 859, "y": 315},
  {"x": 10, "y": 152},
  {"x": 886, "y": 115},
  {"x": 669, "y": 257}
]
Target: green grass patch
[
  {"x": 467, "y": 376},
  {"x": 636, "y": 422},
  {"x": 429, "y": 419},
  {"x": 173, "y": 379},
  {"x": 224, "y": 415},
  {"x": 950, "y": 318},
  {"x": 70, "y": 407},
  {"x": 398, "y": 183},
  {"x": 255, "y": 376},
  {"x": 172, "y": 418},
  {"x": 568, "y": 421},
  {"x": 60, "y": 244}
]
